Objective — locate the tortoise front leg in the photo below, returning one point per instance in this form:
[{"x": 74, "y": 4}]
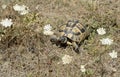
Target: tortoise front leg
[
  {"x": 69, "y": 43},
  {"x": 75, "y": 46}
]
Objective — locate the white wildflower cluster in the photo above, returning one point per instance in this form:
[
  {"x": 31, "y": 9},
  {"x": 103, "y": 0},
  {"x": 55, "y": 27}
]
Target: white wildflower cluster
[
  {"x": 6, "y": 22},
  {"x": 107, "y": 41},
  {"x": 22, "y": 9},
  {"x": 47, "y": 30},
  {"x": 104, "y": 41},
  {"x": 66, "y": 59}
]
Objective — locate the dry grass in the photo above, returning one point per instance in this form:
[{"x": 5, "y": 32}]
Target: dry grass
[{"x": 26, "y": 52}]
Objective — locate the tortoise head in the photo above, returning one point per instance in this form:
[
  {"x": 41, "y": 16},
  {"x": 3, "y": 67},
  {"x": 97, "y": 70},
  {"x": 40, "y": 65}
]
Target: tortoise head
[{"x": 62, "y": 40}]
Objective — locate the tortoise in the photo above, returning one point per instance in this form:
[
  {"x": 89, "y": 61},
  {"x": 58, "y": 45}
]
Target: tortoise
[{"x": 71, "y": 33}]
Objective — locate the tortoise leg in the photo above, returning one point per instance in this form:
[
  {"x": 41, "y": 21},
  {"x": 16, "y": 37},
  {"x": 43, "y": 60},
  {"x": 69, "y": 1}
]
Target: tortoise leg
[
  {"x": 69, "y": 43},
  {"x": 75, "y": 46}
]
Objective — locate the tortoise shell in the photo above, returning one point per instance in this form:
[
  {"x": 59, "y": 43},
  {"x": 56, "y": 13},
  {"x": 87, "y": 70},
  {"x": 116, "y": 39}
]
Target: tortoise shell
[{"x": 73, "y": 30}]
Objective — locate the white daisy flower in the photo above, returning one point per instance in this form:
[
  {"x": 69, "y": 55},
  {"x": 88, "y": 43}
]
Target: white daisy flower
[
  {"x": 66, "y": 59},
  {"x": 101, "y": 31},
  {"x": 47, "y": 30},
  {"x": 4, "y": 6},
  {"x": 82, "y": 68},
  {"x": 106, "y": 41},
  {"x": 6, "y": 22},
  {"x": 113, "y": 54},
  {"x": 22, "y": 9}
]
